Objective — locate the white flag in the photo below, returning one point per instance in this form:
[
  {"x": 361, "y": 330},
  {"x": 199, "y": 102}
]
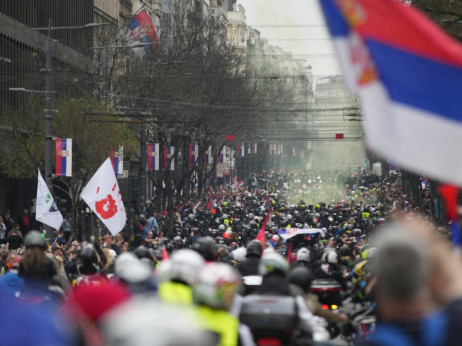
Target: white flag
[
  {"x": 46, "y": 210},
  {"x": 103, "y": 196}
]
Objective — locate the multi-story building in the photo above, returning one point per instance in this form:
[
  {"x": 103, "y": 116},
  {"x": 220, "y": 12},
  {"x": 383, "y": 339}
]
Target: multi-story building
[{"x": 336, "y": 126}]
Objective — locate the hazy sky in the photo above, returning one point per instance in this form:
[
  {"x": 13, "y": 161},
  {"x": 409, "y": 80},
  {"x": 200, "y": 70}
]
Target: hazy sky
[{"x": 297, "y": 26}]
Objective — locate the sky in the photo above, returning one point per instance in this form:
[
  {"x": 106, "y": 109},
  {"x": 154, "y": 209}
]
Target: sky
[{"x": 297, "y": 26}]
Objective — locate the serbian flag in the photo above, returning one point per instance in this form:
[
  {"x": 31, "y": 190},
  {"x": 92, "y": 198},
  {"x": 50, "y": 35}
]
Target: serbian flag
[
  {"x": 193, "y": 152},
  {"x": 169, "y": 162},
  {"x": 141, "y": 30},
  {"x": 408, "y": 74},
  {"x": 117, "y": 159},
  {"x": 261, "y": 235},
  {"x": 208, "y": 156},
  {"x": 153, "y": 156},
  {"x": 240, "y": 149},
  {"x": 254, "y": 148},
  {"x": 210, "y": 203},
  {"x": 221, "y": 157},
  {"x": 63, "y": 164}
]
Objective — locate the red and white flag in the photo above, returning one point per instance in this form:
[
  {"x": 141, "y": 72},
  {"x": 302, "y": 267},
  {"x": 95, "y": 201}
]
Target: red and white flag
[{"x": 103, "y": 196}]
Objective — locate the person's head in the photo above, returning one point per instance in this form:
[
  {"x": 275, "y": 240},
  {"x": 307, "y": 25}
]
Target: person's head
[
  {"x": 109, "y": 239},
  {"x": 254, "y": 249},
  {"x": 401, "y": 264},
  {"x": 57, "y": 251}
]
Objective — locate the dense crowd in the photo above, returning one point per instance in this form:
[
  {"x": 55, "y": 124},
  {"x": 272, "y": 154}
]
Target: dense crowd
[{"x": 266, "y": 262}]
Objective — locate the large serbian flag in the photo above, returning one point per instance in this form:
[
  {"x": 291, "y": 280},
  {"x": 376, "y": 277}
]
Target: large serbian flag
[
  {"x": 193, "y": 154},
  {"x": 153, "y": 156},
  {"x": 63, "y": 164},
  {"x": 408, "y": 73},
  {"x": 117, "y": 159},
  {"x": 169, "y": 162},
  {"x": 142, "y": 31}
]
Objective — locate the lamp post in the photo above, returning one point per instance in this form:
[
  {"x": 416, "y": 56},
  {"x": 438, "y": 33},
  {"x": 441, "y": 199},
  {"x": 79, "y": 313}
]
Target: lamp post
[{"x": 48, "y": 92}]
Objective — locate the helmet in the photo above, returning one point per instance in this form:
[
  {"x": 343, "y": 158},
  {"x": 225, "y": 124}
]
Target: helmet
[
  {"x": 303, "y": 254},
  {"x": 34, "y": 238},
  {"x": 130, "y": 269},
  {"x": 184, "y": 266},
  {"x": 332, "y": 257},
  {"x": 239, "y": 254},
  {"x": 206, "y": 247},
  {"x": 271, "y": 262},
  {"x": 89, "y": 260},
  {"x": 345, "y": 251},
  {"x": 143, "y": 252},
  {"x": 302, "y": 277},
  {"x": 216, "y": 285},
  {"x": 254, "y": 248},
  {"x": 289, "y": 217},
  {"x": 222, "y": 228}
]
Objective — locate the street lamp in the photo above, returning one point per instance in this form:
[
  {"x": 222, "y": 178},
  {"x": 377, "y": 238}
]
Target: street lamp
[{"x": 48, "y": 92}]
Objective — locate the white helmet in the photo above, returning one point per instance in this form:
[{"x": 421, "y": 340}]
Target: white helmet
[
  {"x": 289, "y": 217},
  {"x": 303, "y": 254},
  {"x": 272, "y": 261},
  {"x": 130, "y": 269},
  {"x": 332, "y": 257},
  {"x": 216, "y": 285},
  {"x": 222, "y": 228},
  {"x": 184, "y": 266},
  {"x": 239, "y": 254}
]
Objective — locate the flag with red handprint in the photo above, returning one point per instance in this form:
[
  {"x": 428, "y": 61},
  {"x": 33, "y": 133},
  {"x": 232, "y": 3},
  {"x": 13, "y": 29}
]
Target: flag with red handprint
[{"x": 103, "y": 196}]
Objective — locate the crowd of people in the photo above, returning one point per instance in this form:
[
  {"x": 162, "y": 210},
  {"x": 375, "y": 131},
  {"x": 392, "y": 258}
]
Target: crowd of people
[{"x": 263, "y": 263}]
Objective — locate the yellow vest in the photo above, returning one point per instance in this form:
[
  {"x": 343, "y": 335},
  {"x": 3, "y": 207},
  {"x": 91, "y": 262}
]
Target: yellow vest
[
  {"x": 175, "y": 293},
  {"x": 365, "y": 215},
  {"x": 220, "y": 322}
]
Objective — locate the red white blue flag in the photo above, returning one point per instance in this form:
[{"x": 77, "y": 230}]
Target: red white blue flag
[
  {"x": 153, "y": 156},
  {"x": 193, "y": 154},
  {"x": 254, "y": 147},
  {"x": 408, "y": 74},
  {"x": 141, "y": 30},
  {"x": 169, "y": 162},
  {"x": 221, "y": 157},
  {"x": 241, "y": 149},
  {"x": 208, "y": 156},
  {"x": 117, "y": 159},
  {"x": 63, "y": 164}
]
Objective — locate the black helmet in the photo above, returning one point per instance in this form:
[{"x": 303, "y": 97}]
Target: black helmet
[
  {"x": 88, "y": 260},
  {"x": 34, "y": 238},
  {"x": 302, "y": 277},
  {"x": 254, "y": 248},
  {"x": 143, "y": 252},
  {"x": 345, "y": 251},
  {"x": 206, "y": 247}
]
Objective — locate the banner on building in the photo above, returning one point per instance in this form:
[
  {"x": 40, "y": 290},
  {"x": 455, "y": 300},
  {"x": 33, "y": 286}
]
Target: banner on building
[
  {"x": 169, "y": 162},
  {"x": 117, "y": 159},
  {"x": 103, "y": 196},
  {"x": 63, "y": 164},
  {"x": 153, "y": 156}
]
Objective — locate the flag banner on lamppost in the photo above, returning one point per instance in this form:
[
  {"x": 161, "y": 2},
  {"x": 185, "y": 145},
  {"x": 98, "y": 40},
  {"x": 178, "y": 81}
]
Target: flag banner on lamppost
[
  {"x": 293, "y": 152},
  {"x": 141, "y": 30},
  {"x": 193, "y": 153},
  {"x": 169, "y": 162},
  {"x": 408, "y": 74},
  {"x": 63, "y": 164},
  {"x": 208, "y": 156},
  {"x": 153, "y": 156},
  {"x": 221, "y": 157},
  {"x": 117, "y": 159},
  {"x": 46, "y": 210},
  {"x": 254, "y": 148},
  {"x": 103, "y": 196},
  {"x": 241, "y": 149}
]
